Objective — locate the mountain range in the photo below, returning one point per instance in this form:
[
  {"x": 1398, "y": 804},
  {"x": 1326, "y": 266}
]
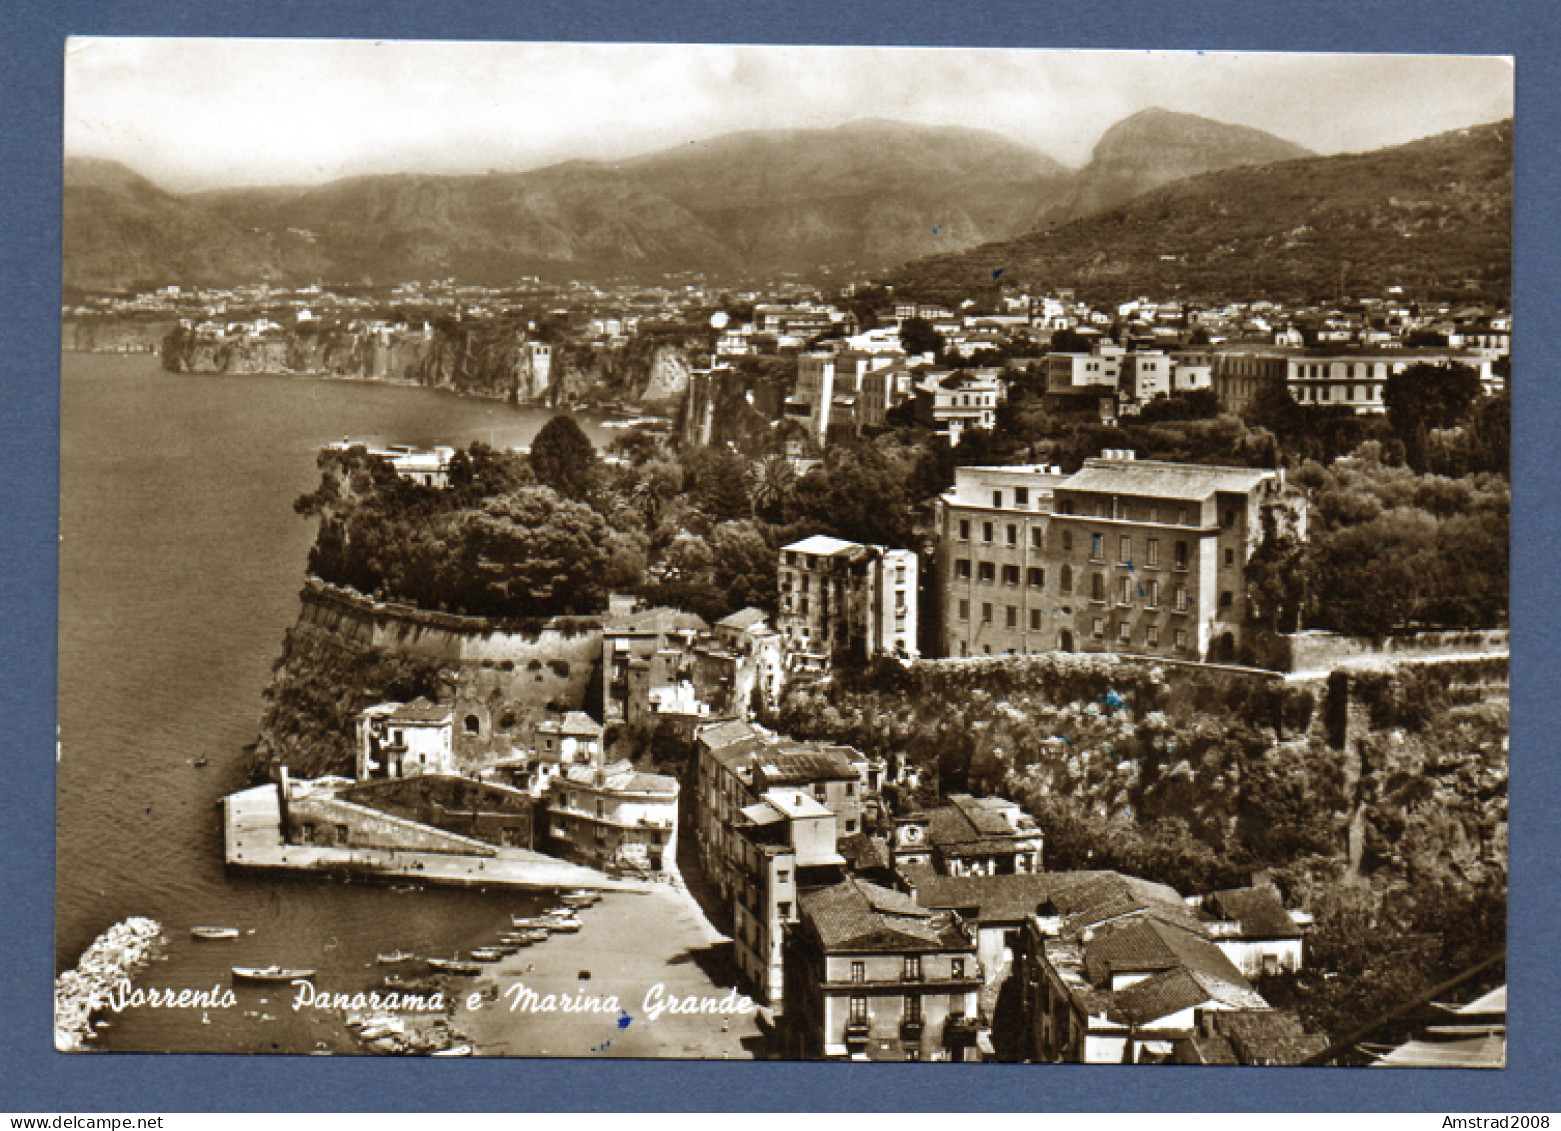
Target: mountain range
[
  {"x": 1431, "y": 216},
  {"x": 870, "y": 195}
]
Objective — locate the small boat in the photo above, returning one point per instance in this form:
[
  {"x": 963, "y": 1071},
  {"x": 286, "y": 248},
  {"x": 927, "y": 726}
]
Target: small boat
[
  {"x": 453, "y": 1050},
  {"x": 557, "y": 913},
  {"x": 214, "y": 932},
  {"x": 487, "y": 954},
  {"x": 269, "y": 973},
  {"x": 528, "y": 924},
  {"x": 568, "y": 926},
  {"x": 455, "y": 966},
  {"x": 506, "y": 948},
  {"x": 577, "y": 900},
  {"x": 394, "y": 957},
  {"x": 201, "y": 761}
]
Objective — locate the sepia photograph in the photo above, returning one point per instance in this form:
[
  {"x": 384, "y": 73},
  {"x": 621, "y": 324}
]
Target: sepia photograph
[{"x": 714, "y": 552}]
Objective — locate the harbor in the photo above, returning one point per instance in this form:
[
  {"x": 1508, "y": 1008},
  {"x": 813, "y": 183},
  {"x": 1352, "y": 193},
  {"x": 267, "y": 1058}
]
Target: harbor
[{"x": 253, "y": 841}]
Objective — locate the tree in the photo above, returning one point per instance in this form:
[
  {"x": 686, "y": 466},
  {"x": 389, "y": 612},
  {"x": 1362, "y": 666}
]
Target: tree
[
  {"x": 1069, "y": 340},
  {"x": 481, "y": 472},
  {"x": 714, "y": 477},
  {"x": 1424, "y": 398},
  {"x": 771, "y": 482},
  {"x": 563, "y": 458},
  {"x": 918, "y": 336},
  {"x": 533, "y": 554}
]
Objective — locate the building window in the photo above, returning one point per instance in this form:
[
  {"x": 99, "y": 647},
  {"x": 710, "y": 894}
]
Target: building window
[
  {"x": 986, "y": 612},
  {"x": 1098, "y": 630},
  {"x": 804, "y": 606},
  {"x": 1097, "y": 547},
  {"x": 997, "y": 500},
  {"x": 783, "y": 876},
  {"x": 1013, "y": 616},
  {"x": 1065, "y": 580},
  {"x": 1230, "y": 557},
  {"x": 1010, "y": 575},
  {"x": 1067, "y": 541},
  {"x": 1021, "y": 496},
  {"x": 964, "y": 530},
  {"x": 1035, "y": 620},
  {"x": 1152, "y": 635},
  {"x": 986, "y": 571},
  {"x": 1125, "y": 549},
  {"x": 1230, "y": 518},
  {"x": 986, "y": 531},
  {"x": 1152, "y": 593},
  {"x": 1152, "y": 552},
  {"x": 1038, "y": 537},
  {"x": 964, "y": 610},
  {"x": 1124, "y": 590},
  {"x": 1037, "y": 578},
  {"x": 1125, "y": 632},
  {"x": 962, "y": 569},
  {"x": 859, "y": 1011},
  {"x": 859, "y": 972},
  {"x": 1097, "y": 590},
  {"x": 1180, "y": 560},
  {"x": 1181, "y": 598},
  {"x": 1181, "y": 640},
  {"x": 1227, "y": 598},
  {"x": 472, "y": 724},
  {"x": 913, "y": 968},
  {"x": 1154, "y": 512},
  {"x": 957, "y": 968},
  {"x": 1181, "y": 516},
  {"x": 912, "y": 1011}
]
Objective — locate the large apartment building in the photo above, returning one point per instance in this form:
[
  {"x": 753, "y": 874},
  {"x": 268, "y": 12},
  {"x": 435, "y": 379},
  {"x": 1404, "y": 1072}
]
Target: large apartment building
[
  {"x": 991, "y": 561},
  {"x": 835, "y": 390},
  {"x": 1134, "y": 556},
  {"x": 1355, "y": 379},
  {"x": 1151, "y": 556},
  {"x": 871, "y": 975},
  {"x": 838, "y": 597}
]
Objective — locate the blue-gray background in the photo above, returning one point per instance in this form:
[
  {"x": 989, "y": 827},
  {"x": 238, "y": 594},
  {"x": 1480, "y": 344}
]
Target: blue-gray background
[{"x": 34, "y": 1078}]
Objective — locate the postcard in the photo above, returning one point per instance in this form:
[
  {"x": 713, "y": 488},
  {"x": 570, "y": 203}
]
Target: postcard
[{"x": 790, "y": 553}]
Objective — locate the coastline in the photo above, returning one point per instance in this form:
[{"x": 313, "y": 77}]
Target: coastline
[{"x": 631, "y": 944}]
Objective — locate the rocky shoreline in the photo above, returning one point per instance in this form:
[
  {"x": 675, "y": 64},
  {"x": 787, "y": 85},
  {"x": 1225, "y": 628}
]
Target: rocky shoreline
[{"x": 113, "y": 957}]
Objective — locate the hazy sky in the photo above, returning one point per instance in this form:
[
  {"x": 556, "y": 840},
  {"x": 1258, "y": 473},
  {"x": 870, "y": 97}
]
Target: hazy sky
[{"x": 200, "y": 113}]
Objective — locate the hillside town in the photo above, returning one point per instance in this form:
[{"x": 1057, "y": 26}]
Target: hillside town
[{"x": 683, "y": 716}]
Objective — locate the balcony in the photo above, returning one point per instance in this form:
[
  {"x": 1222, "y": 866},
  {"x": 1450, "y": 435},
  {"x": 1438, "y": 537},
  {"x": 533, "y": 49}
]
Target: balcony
[
  {"x": 961, "y": 1030},
  {"x": 857, "y": 1031},
  {"x": 911, "y": 1029}
]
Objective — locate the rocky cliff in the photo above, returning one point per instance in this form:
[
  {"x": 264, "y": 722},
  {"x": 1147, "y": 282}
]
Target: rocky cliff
[
  {"x": 484, "y": 359},
  {"x": 347, "y": 652}
]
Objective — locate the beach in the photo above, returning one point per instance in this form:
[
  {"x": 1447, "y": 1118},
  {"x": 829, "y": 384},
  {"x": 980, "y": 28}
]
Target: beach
[{"x": 642, "y": 949}]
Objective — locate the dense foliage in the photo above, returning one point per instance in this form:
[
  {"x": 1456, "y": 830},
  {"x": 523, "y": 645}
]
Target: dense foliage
[{"x": 1394, "y": 838}]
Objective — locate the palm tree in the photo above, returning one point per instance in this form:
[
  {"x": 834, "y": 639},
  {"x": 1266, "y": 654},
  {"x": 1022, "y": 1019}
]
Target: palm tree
[{"x": 771, "y": 482}]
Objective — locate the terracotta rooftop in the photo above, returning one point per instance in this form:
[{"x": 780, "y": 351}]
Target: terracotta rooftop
[{"x": 855, "y": 915}]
